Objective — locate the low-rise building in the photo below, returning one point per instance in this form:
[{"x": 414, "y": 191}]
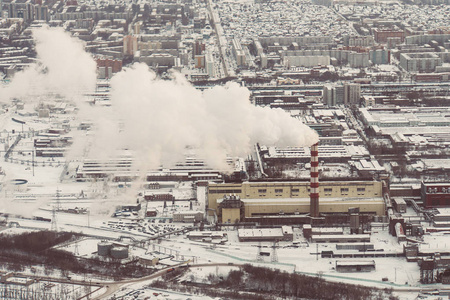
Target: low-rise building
[
  {"x": 188, "y": 216},
  {"x": 284, "y": 233},
  {"x": 355, "y": 266}
]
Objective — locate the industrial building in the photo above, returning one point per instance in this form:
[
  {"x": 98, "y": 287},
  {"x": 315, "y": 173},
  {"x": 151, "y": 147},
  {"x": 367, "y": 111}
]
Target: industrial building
[
  {"x": 208, "y": 236},
  {"x": 435, "y": 194},
  {"x": 355, "y": 266},
  {"x": 406, "y": 117},
  {"x": 441, "y": 217},
  {"x": 284, "y": 233},
  {"x": 344, "y": 238},
  {"x": 188, "y": 216},
  {"x": 264, "y": 199},
  {"x": 329, "y": 153},
  {"x": 118, "y": 168}
]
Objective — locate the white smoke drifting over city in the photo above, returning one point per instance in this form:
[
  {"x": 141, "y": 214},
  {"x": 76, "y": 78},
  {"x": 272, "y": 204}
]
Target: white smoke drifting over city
[
  {"x": 157, "y": 119},
  {"x": 161, "y": 118},
  {"x": 63, "y": 68}
]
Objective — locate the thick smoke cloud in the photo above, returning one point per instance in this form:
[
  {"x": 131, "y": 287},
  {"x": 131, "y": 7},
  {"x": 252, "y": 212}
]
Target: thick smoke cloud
[
  {"x": 162, "y": 118},
  {"x": 157, "y": 119},
  {"x": 63, "y": 68}
]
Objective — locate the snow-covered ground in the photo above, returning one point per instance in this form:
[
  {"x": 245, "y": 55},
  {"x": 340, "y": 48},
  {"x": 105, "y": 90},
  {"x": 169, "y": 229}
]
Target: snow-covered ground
[
  {"x": 299, "y": 257},
  {"x": 52, "y": 186}
]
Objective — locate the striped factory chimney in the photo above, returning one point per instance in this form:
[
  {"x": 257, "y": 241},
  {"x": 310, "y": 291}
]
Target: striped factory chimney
[{"x": 314, "y": 186}]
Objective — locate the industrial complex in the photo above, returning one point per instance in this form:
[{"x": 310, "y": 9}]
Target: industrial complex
[{"x": 156, "y": 144}]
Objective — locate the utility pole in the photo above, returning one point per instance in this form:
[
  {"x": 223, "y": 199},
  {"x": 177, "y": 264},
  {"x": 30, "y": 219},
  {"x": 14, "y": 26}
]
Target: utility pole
[
  {"x": 54, "y": 226},
  {"x": 274, "y": 251},
  {"x": 58, "y": 202},
  {"x": 258, "y": 254},
  {"x": 76, "y": 251},
  {"x": 32, "y": 161}
]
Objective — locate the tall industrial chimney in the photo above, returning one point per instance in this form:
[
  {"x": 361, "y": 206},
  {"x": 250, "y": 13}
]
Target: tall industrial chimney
[{"x": 314, "y": 185}]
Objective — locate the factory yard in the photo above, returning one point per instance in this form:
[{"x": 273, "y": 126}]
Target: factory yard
[{"x": 298, "y": 255}]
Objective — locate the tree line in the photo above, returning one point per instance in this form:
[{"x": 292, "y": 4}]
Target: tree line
[
  {"x": 36, "y": 248},
  {"x": 251, "y": 282}
]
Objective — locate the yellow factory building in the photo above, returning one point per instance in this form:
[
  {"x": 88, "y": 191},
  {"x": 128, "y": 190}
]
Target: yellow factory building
[{"x": 272, "y": 198}]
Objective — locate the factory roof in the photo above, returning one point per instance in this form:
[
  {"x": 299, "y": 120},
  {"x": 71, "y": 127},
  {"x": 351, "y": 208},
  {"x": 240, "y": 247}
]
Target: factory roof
[
  {"x": 355, "y": 262},
  {"x": 324, "y": 151},
  {"x": 305, "y": 201},
  {"x": 261, "y": 232},
  {"x": 340, "y": 236}
]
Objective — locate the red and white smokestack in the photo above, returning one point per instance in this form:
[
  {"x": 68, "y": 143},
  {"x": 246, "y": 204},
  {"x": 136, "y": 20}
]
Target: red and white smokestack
[{"x": 314, "y": 185}]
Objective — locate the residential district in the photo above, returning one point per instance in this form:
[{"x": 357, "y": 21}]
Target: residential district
[{"x": 362, "y": 198}]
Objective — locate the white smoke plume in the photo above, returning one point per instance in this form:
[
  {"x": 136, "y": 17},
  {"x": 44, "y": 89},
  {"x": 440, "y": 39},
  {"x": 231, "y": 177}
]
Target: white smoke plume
[
  {"x": 63, "y": 68},
  {"x": 162, "y": 118},
  {"x": 157, "y": 119}
]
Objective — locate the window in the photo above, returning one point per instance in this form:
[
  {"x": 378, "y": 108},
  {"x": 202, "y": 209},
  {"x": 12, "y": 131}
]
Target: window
[
  {"x": 262, "y": 191},
  {"x": 295, "y": 190},
  {"x": 328, "y": 190},
  {"x": 225, "y": 191},
  {"x": 278, "y": 191},
  {"x": 361, "y": 189},
  {"x": 344, "y": 191}
]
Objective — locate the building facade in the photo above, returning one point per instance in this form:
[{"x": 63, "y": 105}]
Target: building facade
[
  {"x": 381, "y": 35},
  {"x": 435, "y": 194},
  {"x": 352, "y": 93},
  {"x": 275, "y": 198},
  {"x": 420, "y": 62}
]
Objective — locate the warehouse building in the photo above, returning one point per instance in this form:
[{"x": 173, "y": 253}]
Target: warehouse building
[
  {"x": 344, "y": 238},
  {"x": 284, "y": 233},
  {"x": 355, "y": 266}
]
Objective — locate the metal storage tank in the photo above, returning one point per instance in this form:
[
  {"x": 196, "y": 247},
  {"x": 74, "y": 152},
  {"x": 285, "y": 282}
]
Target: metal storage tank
[
  {"x": 104, "y": 248},
  {"x": 19, "y": 185},
  {"x": 119, "y": 252}
]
